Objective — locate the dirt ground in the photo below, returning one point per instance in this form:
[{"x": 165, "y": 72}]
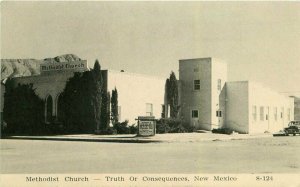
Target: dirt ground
[{"x": 256, "y": 155}]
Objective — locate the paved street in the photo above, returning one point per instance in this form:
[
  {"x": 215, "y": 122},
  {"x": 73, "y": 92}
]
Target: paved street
[{"x": 263, "y": 155}]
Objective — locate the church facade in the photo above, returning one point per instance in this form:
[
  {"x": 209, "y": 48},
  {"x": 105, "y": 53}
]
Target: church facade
[
  {"x": 208, "y": 101},
  {"x": 138, "y": 95}
]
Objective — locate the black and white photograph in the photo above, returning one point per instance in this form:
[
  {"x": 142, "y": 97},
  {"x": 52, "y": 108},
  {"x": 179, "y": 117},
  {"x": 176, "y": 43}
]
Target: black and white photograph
[{"x": 150, "y": 93}]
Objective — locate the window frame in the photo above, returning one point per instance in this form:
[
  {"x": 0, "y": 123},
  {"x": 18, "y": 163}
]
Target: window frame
[
  {"x": 193, "y": 116},
  {"x": 149, "y": 113},
  {"x": 196, "y": 85}
]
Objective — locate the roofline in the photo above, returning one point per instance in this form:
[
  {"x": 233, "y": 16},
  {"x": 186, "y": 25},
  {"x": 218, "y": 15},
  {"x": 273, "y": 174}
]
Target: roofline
[
  {"x": 133, "y": 74},
  {"x": 196, "y": 58}
]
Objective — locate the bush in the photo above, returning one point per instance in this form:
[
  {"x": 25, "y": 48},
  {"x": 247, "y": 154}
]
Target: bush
[
  {"x": 23, "y": 110},
  {"x": 172, "y": 126},
  {"x": 123, "y": 128},
  {"x": 133, "y": 129},
  {"x": 222, "y": 131},
  {"x": 108, "y": 131}
]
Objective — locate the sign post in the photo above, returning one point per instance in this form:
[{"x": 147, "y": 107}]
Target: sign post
[{"x": 146, "y": 125}]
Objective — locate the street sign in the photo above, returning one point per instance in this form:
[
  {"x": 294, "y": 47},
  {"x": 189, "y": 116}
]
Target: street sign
[{"x": 146, "y": 126}]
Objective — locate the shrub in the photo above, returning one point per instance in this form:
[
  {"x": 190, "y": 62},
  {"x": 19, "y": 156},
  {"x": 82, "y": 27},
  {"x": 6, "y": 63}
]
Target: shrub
[
  {"x": 133, "y": 129},
  {"x": 222, "y": 131},
  {"x": 173, "y": 126},
  {"x": 23, "y": 110},
  {"x": 124, "y": 128},
  {"x": 107, "y": 131}
]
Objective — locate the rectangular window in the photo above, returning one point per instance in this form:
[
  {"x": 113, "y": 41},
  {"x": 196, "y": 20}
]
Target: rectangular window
[
  {"x": 219, "y": 84},
  {"x": 195, "y": 114},
  {"x": 219, "y": 113},
  {"x": 149, "y": 109},
  {"x": 275, "y": 113},
  {"x": 254, "y": 112},
  {"x": 261, "y": 113},
  {"x": 196, "y": 84}
]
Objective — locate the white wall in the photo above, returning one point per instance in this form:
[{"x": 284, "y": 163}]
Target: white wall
[
  {"x": 134, "y": 91},
  {"x": 236, "y": 117},
  {"x": 206, "y": 100},
  {"x": 261, "y": 96},
  {"x": 241, "y": 99},
  {"x": 219, "y": 71},
  {"x": 190, "y": 99}
]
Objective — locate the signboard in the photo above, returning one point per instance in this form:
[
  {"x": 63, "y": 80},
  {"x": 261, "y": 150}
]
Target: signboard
[
  {"x": 57, "y": 66},
  {"x": 146, "y": 126}
]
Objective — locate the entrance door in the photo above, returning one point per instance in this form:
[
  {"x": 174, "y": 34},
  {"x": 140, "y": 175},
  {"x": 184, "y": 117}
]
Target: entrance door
[{"x": 195, "y": 117}]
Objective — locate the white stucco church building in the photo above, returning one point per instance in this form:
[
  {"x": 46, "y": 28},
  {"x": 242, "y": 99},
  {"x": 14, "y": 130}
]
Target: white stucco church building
[{"x": 209, "y": 101}]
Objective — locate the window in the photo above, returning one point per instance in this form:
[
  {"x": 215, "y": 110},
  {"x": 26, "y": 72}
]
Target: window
[
  {"x": 195, "y": 114},
  {"x": 196, "y": 84},
  {"x": 219, "y": 84},
  {"x": 275, "y": 113},
  {"x": 261, "y": 113},
  {"x": 281, "y": 113},
  {"x": 254, "y": 112},
  {"x": 219, "y": 113},
  {"x": 149, "y": 109}
]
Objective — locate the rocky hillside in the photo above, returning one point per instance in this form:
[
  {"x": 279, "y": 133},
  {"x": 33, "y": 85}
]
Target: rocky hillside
[{"x": 28, "y": 67}]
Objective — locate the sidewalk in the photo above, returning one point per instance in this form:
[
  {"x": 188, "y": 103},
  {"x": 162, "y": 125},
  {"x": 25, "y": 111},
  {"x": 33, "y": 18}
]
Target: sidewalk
[{"x": 132, "y": 138}]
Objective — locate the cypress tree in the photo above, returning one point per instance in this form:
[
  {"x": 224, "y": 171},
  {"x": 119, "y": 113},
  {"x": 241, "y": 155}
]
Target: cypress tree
[
  {"x": 172, "y": 95},
  {"x": 105, "y": 110},
  {"x": 97, "y": 94},
  {"x": 114, "y": 106}
]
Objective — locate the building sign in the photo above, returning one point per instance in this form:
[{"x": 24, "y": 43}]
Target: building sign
[
  {"x": 57, "y": 66},
  {"x": 146, "y": 126}
]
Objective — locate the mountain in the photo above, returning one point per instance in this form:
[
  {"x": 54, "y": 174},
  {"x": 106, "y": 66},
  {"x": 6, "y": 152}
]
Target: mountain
[{"x": 29, "y": 67}]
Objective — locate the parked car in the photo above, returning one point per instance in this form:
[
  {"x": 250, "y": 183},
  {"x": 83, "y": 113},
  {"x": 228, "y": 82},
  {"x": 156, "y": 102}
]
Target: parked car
[{"x": 293, "y": 128}]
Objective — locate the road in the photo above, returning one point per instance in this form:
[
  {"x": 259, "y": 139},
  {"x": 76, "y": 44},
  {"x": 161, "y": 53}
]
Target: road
[{"x": 262, "y": 155}]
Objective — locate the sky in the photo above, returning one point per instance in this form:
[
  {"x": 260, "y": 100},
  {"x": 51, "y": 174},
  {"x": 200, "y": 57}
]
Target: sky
[{"x": 259, "y": 41}]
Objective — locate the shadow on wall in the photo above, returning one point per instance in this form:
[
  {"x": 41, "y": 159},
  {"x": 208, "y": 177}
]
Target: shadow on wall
[{"x": 232, "y": 125}]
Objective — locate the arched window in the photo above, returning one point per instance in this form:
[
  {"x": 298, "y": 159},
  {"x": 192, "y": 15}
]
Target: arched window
[{"x": 49, "y": 108}]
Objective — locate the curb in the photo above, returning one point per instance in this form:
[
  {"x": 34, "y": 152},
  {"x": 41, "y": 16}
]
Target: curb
[{"x": 85, "y": 140}]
